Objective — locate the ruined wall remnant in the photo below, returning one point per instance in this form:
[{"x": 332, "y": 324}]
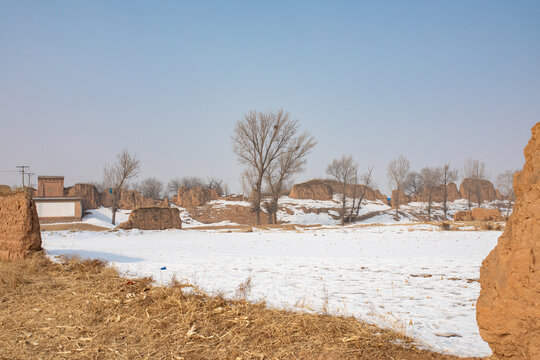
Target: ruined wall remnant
[
  {"x": 88, "y": 194},
  {"x": 153, "y": 218},
  {"x": 508, "y": 309},
  {"x": 478, "y": 214},
  {"x": 196, "y": 196},
  {"x": 314, "y": 189},
  {"x": 19, "y": 226}
]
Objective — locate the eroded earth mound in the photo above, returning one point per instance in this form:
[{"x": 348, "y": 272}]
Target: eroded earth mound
[
  {"x": 470, "y": 189},
  {"x": 153, "y": 218},
  {"x": 508, "y": 309},
  {"x": 19, "y": 226}
]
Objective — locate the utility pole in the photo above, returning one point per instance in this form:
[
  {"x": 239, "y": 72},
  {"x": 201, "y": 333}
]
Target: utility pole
[
  {"x": 22, "y": 167},
  {"x": 29, "y": 176}
]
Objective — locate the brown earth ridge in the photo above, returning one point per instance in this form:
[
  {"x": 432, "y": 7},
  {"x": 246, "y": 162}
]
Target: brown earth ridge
[{"x": 508, "y": 309}]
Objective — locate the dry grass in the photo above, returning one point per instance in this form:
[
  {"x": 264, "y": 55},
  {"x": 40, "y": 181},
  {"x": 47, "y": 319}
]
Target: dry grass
[{"x": 85, "y": 310}]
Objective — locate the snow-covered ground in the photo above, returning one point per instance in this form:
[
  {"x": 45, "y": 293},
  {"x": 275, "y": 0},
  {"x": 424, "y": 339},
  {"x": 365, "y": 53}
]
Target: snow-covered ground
[{"x": 410, "y": 277}]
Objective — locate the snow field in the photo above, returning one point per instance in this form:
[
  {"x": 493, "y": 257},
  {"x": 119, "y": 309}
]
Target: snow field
[{"x": 412, "y": 278}]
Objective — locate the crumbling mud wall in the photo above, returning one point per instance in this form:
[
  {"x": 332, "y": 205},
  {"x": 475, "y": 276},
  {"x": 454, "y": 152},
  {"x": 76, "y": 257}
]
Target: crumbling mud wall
[
  {"x": 319, "y": 189},
  {"x": 508, "y": 309},
  {"x": 19, "y": 226},
  {"x": 478, "y": 214},
  {"x": 314, "y": 189},
  {"x": 90, "y": 196},
  {"x": 129, "y": 199},
  {"x": 195, "y": 196},
  {"x": 153, "y": 218},
  {"x": 4, "y": 190}
]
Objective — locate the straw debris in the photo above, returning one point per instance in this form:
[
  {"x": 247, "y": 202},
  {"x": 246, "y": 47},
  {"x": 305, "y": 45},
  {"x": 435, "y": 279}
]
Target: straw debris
[{"x": 83, "y": 309}]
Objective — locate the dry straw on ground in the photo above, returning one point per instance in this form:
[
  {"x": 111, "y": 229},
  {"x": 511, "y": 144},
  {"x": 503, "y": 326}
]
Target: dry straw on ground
[{"x": 85, "y": 310}]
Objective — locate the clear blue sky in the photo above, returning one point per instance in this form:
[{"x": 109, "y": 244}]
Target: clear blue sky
[{"x": 435, "y": 81}]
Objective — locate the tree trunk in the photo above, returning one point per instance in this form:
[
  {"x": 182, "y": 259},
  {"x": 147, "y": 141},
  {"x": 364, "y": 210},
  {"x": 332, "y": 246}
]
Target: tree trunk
[
  {"x": 275, "y": 204},
  {"x": 397, "y": 205},
  {"x": 343, "y": 204},
  {"x": 114, "y": 206},
  {"x": 445, "y": 198},
  {"x": 469, "y": 196},
  {"x": 257, "y": 200},
  {"x": 429, "y": 207}
]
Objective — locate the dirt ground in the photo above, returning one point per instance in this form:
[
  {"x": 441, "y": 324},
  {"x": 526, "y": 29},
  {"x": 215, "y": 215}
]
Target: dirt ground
[
  {"x": 72, "y": 226},
  {"x": 85, "y": 310}
]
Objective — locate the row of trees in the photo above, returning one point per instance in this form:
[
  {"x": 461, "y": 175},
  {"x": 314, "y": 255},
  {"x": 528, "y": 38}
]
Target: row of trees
[
  {"x": 269, "y": 145},
  {"x": 427, "y": 182},
  {"x": 430, "y": 180},
  {"x": 116, "y": 177}
]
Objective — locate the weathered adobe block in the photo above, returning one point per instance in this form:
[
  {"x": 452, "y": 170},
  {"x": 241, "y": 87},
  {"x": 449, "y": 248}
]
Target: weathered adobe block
[{"x": 19, "y": 226}]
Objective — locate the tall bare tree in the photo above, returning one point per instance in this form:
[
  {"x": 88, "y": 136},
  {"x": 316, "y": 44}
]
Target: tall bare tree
[
  {"x": 398, "y": 170},
  {"x": 172, "y": 187},
  {"x": 366, "y": 182},
  {"x": 414, "y": 184},
  {"x": 505, "y": 184},
  {"x": 258, "y": 140},
  {"x": 151, "y": 188},
  {"x": 475, "y": 171},
  {"x": 448, "y": 175},
  {"x": 431, "y": 177},
  {"x": 216, "y": 184},
  {"x": 290, "y": 162},
  {"x": 344, "y": 170},
  {"x": 115, "y": 176}
]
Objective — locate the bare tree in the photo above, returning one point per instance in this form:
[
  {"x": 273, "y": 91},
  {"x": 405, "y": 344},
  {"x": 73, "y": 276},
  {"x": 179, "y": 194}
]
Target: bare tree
[
  {"x": 151, "y": 188},
  {"x": 258, "y": 140},
  {"x": 398, "y": 170},
  {"x": 475, "y": 171},
  {"x": 344, "y": 171},
  {"x": 172, "y": 187},
  {"x": 414, "y": 184},
  {"x": 290, "y": 162},
  {"x": 100, "y": 187},
  {"x": 431, "y": 177},
  {"x": 505, "y": 184},
  {"x": 189, "y": 182},
  {"x": 115, "y": 177},
  {"x": 366, "y": 183},
  {"x": 216, "y": 184},
  {"x": 448, "y": 175},
  {"x": 248, "y": 179},
  {"x": 226, "y": 190}
]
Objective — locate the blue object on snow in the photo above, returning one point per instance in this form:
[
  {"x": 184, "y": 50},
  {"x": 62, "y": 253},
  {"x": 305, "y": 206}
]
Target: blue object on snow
[{"x": 163, "y": 268}]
